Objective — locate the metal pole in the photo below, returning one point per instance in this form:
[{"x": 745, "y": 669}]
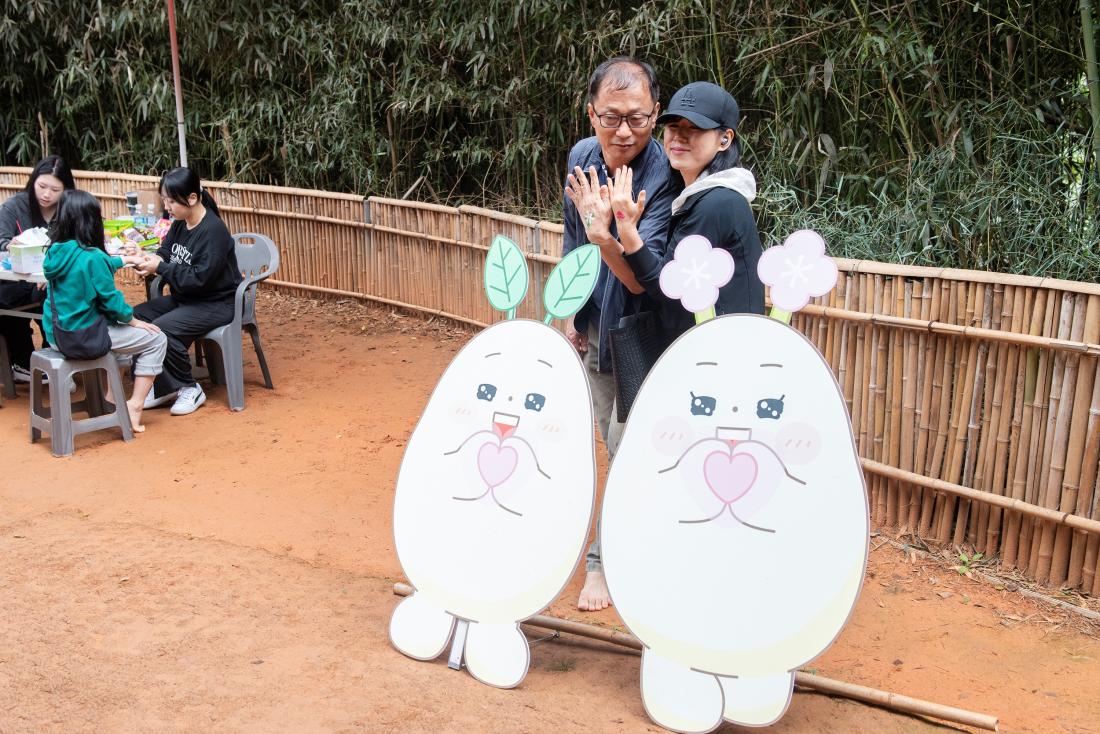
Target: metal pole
[{"x": 176, "y": 79}]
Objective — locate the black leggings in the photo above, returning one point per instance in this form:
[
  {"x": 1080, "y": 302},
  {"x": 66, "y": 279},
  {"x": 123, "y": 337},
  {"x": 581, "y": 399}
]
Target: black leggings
[{"x": 16, "y": 330}]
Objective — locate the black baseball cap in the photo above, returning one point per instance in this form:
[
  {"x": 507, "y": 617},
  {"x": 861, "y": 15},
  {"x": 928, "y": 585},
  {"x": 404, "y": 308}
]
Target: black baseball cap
[{"x": 705, "y": 105}]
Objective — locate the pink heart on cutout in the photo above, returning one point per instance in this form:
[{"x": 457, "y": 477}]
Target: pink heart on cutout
[
  {"x": 729, "y": 476},
  {"x": 496, "y": 463}
]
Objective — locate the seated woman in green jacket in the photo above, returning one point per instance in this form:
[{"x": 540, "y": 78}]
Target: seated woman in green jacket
[{"x": 81, "y": 280}]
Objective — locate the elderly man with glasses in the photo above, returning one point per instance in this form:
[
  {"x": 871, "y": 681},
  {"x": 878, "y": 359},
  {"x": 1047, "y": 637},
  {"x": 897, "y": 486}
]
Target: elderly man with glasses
[{"x": 622, "y": 107}]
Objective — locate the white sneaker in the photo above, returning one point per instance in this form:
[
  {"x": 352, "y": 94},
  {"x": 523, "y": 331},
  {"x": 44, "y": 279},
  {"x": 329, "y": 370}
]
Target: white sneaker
[
  {"x": 21, "y": 374},
  {"x": 152, "y": 401},
  {"x": 189, "y": 400}
]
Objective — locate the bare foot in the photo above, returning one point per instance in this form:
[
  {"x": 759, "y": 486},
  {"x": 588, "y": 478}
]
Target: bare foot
[
  {"x": 594, "y": 596},
  {"x": 135, "y": 417}
]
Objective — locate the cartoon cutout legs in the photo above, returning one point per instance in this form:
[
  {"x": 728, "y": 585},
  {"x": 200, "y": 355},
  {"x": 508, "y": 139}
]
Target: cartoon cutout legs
[
  {"x": 419, "y": 629},
  {"x": 686, "y": 700},
  {"x": 679, "y": 698},
  {"x": 711, "y": 491},
  {"x": 497, "y": 654},
  {"x": 756, "y": 701},
  {"x": 496, "y": 489}
]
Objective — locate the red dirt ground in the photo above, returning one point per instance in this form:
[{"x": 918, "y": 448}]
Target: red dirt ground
[{"x": 233, "y": 572}]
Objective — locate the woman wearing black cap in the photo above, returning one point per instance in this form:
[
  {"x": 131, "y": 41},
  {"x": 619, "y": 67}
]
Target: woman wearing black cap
[{"x": 702, "y": 146}]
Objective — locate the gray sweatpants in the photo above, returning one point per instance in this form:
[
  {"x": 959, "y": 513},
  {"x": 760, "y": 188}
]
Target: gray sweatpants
[
  {"x": 611, "y": 430},
  {"x": 146, "y": 347},
  {"x": 131, "y": 345}
]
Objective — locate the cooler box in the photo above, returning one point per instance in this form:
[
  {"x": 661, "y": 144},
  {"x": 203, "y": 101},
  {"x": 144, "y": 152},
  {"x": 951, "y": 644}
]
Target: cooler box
[{"x": 26, "y": 258}]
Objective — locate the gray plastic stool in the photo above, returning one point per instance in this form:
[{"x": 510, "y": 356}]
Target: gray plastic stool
[
  {"x": 7, "y": 381},
  {"x": 57, "y": 419}
]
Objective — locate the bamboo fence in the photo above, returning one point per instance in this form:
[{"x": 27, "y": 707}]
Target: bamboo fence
[{"x": 974, "y": 396}]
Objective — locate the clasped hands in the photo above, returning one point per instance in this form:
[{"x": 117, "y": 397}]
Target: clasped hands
[
  {"x": 597, "y": 202},
  {"x": 144, "y": 263}
]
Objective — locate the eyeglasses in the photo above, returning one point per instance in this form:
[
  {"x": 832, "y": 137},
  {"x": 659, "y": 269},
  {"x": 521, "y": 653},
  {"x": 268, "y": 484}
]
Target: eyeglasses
[{"x": 636, "y": 121}]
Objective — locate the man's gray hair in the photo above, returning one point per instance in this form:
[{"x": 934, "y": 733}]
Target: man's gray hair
[{"x": 623, "y": 72}]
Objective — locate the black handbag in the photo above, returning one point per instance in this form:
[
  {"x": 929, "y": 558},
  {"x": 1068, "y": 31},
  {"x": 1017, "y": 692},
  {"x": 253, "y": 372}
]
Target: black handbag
[
  {"x": 91, "y": 342},
  {"x": 636, "y": 345}
]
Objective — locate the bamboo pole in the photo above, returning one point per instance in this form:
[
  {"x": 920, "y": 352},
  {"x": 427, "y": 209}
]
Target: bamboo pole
[
  {"x": 963, "y": 303},
  {"x": 1085, "y": 548},
  {"x": 1054, "y": 448},
  {"x": 280, "y": 214},
  {"x": 152, "y": 181},
  {"x": 1078, "y": 381},
  {"x": 935, "y": 364},
  {"x": 924, "y": 369},
  {"x": 828, "y": 686},
  {"x": 830, "y": 327},
  {"x": 501, "y": 217},
  {"x": 972, "y": 332},
  {"x": 942, "y": 413},
  {"x": 965, "y": 276},
  {"x": 974, "y": 413},
  {"x": 1043, "y": 368},
  {"x": 895, "y": 371},
  {"x": 378, "y": 299},
  {"x": 1011, "y": 386},
  {"x": 879, "y": 358},
  {"x": 863, "y": 376},
  {"x": 1010, "y": 554},
  {"x": 1096, "y": 570},
  {"x": 909, "y": 420},
  {"x": 991, "y": 425},
  {"x": 848, "y": 347},
  {"x": 1024, "y": 508}
]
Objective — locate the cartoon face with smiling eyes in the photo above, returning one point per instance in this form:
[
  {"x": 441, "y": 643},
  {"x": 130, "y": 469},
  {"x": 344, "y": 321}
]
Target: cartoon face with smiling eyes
[
  {"x": 734, "y": 523},
  {"x": 494, "y": 497}
]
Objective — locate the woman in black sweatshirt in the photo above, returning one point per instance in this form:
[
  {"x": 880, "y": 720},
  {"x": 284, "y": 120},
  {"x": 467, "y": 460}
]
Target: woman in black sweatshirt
[{"x": 198, "y": 261}]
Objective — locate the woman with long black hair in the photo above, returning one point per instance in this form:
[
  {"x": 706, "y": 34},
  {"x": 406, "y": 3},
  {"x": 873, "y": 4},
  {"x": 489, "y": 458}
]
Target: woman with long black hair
[
  {"x": 82, "y": 289},
  {"x": 35, "y": 206},
  {"x": 198, "y": 262}
]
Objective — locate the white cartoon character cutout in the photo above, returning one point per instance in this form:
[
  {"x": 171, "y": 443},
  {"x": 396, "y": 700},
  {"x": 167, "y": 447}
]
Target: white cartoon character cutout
[
  {"x": 496, "y": 489},
  {"x": 737, "y": 479}
]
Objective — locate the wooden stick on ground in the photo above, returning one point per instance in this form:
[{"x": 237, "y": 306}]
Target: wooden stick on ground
[{"x": 885, "y": 699}]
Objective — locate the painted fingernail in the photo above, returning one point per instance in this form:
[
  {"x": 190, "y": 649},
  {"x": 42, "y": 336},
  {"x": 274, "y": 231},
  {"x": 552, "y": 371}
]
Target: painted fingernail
[{"x": 620, "y": 215}]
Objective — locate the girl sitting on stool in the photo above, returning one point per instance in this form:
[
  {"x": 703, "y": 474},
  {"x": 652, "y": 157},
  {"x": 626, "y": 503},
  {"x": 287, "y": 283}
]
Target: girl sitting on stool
[{"x": 81, "y": 279}]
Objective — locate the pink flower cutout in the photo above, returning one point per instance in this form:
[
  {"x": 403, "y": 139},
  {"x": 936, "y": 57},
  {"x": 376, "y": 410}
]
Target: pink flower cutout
[
  {"x": 797, "y": 270},
  {"x": 696, "y": 273}
]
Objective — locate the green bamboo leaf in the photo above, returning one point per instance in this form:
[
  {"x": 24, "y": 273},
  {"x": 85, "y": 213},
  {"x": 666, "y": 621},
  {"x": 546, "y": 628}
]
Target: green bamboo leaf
[
  {"x": 571, "y": 282},
  {"x": 506, "y": 275}
]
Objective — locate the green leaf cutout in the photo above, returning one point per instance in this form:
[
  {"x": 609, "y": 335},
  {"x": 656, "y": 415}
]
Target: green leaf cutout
[
  {"x": 571, "y": 282},
  {"x": 506, "y": 275}
]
